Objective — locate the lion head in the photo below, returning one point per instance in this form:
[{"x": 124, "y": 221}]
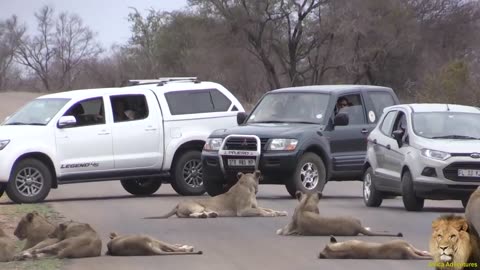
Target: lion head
[
  {"x": 31, "y": 224},
  {"x": 450, "y": 241},
  {"x": 70, "y": 229},
  {"x": 308, "y": 202},
  {"x": 250, "y": 179}
]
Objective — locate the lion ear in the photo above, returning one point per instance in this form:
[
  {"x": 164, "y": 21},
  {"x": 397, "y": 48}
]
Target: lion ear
[
  {"x": 239, "y": 175},
  {"x": 320, "y": 195},
  {"x": 30, "y": 217},
  {"x": 298, "y": 195},
  {"x": 257, "y": 174},
  {"x": 333, "y": 239},
  {"x": 462, "y": 225},
  {"x": 435, "y": 224}
]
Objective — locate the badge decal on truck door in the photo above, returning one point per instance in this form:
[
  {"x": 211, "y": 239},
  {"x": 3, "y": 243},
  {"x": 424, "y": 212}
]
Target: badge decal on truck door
[{"x": 79, "y": 165}]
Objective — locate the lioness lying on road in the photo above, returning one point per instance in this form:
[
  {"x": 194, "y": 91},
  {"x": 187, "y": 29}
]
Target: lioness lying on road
[
  {"x": 306, "y": 220},
  {"x": 472, "y": 212},
  {"x": 144, "y": 245},
  {"x": 33, "y": 227},
  {"x": 356, "y": 249},
  {"x": 239, "y": 201},
  {"x": 70, "y": 240},
  {"x": 7, "y": 247}
]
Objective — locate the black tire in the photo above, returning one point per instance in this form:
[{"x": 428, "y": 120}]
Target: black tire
[
  {"x": 2, "y": 189},
  {"x": 37, "y": 180},
  {"x": 410, "y": 200},
  {"x": 295, "y": 182},
  {"x": 371, "y": 196},
  {"x": 141, "y": 187},
  {"x": 188, "y": 164},
  {"x": 214, "y": 188}
]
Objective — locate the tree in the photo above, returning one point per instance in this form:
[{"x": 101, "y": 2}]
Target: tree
[{"x": 10, "y": 36}]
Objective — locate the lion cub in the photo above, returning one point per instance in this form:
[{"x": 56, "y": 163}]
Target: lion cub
[
  {"x": 306, "y": 220},
  {"x": 451, "y": 242},
  {"x": 239, "y": 201},
  {"x": 33, "y": 227},
  {"x": 144, "y": 245},
  {"x": 71, "y": 240},
  {"x": 7, "y": 247},
  {"x": 356, "y": 249}
]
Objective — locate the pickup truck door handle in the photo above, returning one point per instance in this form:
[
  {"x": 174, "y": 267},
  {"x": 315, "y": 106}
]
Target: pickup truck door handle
[
  {"x": 103, "y": 132},
  {"x": 364, "y": 131},
  {"x": 388, "y": 146},
  {"x": 150, "y": 128}
]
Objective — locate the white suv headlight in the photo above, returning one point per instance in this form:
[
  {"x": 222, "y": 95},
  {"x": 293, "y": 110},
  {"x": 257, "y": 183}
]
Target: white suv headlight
[
  {"x": 213, "y": 144},
  {"x": 3, "y": 143},
  {"x": 434, "y": 154},
  {"x": 283, "y": 144}
]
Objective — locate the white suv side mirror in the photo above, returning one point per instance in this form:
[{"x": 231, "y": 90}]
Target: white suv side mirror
[{"x": 67, "y": 121}]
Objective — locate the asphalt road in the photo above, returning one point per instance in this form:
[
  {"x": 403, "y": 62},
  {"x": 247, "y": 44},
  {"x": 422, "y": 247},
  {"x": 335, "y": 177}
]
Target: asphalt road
[{"x": 239, "y": 243}]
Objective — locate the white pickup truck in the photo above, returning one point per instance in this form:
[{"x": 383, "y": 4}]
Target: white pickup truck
[{"x": 142, "y": 135}]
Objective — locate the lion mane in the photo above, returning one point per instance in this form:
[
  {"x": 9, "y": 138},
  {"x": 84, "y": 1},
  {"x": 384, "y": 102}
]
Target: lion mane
[{"x": 452, "y": 245}]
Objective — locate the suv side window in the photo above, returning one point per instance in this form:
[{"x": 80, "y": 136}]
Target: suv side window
[
  {"x": 354, "y": 108},
  {"x": 380, "y": 100},
  {"x": 88, "y": 112},
  {"x": 386, "y": 126},
  {"x": 129, "y": 107}
]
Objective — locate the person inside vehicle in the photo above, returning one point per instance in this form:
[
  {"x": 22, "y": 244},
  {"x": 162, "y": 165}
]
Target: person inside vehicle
[{"x": 120, "y": 113}]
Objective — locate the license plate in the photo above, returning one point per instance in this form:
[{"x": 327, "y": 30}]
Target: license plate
[
  {"x": 468, "y": 173},
  {"x": 241, "y": 162}
]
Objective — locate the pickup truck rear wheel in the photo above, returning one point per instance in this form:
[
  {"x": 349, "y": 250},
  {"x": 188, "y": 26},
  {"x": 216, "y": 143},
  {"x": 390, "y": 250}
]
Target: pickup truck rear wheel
[
  {"x": 141, "y": 187},
  {"x": 309, "y": 176},
  {"x": 188, "y": 174},
  {"x": 30, "y": 182}
]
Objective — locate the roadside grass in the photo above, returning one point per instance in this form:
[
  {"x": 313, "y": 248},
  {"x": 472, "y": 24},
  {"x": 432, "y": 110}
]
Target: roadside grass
[{"x": 10, "y": 215}]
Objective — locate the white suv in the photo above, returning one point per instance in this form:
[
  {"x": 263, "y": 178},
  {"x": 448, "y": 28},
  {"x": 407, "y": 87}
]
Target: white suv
[
  {"x": 423, "y": 151},
  {"x": 141, "y": 135}
]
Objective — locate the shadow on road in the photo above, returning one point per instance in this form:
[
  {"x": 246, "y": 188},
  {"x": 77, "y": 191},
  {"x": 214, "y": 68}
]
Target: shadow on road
[{"x": 459, "y": 210}]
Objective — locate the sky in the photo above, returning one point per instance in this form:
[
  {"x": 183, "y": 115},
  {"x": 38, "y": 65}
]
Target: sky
[{"x": 106, "y": 17}]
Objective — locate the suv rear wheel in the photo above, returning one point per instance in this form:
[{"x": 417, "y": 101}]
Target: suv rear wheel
[
  {"x": 410, "y": 200},
  {"x": 371, "y": 197},
  {"x": 141, "y": 187},
  {"x": 30, "y": 181},
  {"x": 309, "y": 176},
  {"x": 188, "y": 174}
]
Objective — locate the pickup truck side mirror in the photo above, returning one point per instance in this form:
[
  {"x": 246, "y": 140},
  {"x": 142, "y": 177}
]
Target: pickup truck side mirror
[
  {"x": 341, "y": 119},
  {"x": 241, "y": 116},
  {"x": 398, "y": 135},
  {"x": 66, "y": 121}
]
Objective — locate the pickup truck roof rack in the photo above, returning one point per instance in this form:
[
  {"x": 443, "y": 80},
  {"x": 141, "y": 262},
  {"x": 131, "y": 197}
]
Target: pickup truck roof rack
[{"x": 162, "y": 80}]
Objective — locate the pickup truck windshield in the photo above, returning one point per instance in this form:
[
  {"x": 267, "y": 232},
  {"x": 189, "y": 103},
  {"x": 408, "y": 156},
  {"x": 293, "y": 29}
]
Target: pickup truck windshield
[
  {"x": 291, "y": 108},
  {"x": 37, "y": 112},
  {"x": 447, "y": 125}
]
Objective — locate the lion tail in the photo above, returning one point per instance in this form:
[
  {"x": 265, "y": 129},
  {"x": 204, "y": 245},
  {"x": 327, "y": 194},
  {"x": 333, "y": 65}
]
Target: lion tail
[
  {"x": 167, "y": 215},
  {"x": 367, "y": 231}
]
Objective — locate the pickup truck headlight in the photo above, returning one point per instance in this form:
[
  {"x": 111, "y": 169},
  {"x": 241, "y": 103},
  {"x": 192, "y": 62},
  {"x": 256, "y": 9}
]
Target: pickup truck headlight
[
  {"x": 434, "y": 154},
  {"x": 283, "y": 144},
  {"x": 213, "y": 144},
  {"x": 3, "y": 143}
]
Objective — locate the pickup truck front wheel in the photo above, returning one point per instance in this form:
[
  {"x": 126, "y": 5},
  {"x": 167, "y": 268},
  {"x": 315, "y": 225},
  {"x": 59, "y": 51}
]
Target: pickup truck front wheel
[
  {"x": 141, "y": 187},
  {"x": 188, "y": 174},
  {"x": 30, "y": 182},
  {"x": 309, "y": 176}
]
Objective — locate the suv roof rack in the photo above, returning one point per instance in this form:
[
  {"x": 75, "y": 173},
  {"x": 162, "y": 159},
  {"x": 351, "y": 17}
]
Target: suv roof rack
[{"x": 162, "y": 80}]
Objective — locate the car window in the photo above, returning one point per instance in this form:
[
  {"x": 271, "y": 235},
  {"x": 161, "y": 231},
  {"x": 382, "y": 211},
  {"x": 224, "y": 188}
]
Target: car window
[
  {"x": 401, "y": 124},
  {"x": 386, "y": 125},
  {"x": 189, "y": 102},
  {"x": 129, "y": 107},
  {"x": 380, "y": 100},
  {"x": 88, "y": 112},
  {"x": 220, "y": 102},
  {"x": 353, "y": 106}
]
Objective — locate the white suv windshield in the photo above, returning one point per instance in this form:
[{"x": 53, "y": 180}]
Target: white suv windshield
[
  {"x": 447, "y": 125},
  {"x": 291, "y": 108},
  {"x": 37, "y": 112}
]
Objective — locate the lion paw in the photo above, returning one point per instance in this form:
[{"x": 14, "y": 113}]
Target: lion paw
[
  {"x": 281, "y": 213},
  {"x": 212, "y": 214}
]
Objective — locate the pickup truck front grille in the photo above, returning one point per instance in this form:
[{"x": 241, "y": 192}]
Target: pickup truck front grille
[
  {"x": 250, "y": 144},
  {"x": 451, "y": 171}
]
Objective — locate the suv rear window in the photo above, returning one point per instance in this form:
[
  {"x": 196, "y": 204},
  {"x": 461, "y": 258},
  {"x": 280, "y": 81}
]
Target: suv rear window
[{"x": 197, "y": 101}]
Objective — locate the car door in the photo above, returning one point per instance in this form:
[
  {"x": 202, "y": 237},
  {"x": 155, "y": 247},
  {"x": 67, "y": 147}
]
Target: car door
[
  {"x": 348, "y": 143},
  {"x": 380, "y": 143},
  {"x": 85, "y": 147},
  {"x": 137, "y": 131}
]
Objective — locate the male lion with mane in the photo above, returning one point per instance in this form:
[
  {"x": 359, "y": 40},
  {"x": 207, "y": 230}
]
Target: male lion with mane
[
  {"x": 306, "y": 220},
  {"x": 357, "y": 249},
  {"x": 239, "y": 201},
  {"x": 452, "y": 245}
]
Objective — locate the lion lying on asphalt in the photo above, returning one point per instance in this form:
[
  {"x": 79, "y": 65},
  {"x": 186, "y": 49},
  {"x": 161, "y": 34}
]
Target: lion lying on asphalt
[
  {"x": 144, "y": 245},
  {"x": 7, "y": 247},
  {"x": 306, "y": 220},
  {"x": 357, "y": 249},
  {"x": 33, "y": 227},
  {"x": 472, "y": 212},
  {"x": 239, "y": 201},
  {"x": 451, "y": 242},
  {"x": 70, "y": 240}
]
